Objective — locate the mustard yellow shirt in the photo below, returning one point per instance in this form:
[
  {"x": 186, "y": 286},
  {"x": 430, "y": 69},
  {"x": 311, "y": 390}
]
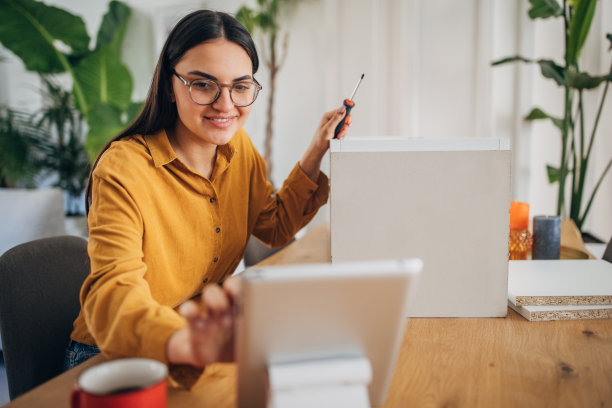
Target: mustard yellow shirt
[{"x": 159, "y": 231}]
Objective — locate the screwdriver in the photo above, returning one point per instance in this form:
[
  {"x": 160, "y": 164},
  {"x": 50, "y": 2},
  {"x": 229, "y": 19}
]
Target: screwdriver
[{"x": 349, "y": 104}]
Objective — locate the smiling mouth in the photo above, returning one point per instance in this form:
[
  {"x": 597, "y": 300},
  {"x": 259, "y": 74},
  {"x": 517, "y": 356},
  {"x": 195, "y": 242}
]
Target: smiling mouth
[{"x": 221, "y": 122}]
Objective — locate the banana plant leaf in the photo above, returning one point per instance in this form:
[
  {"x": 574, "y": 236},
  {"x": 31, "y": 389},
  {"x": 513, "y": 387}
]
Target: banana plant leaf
[
  {"x": 29, "y": 29},
  {"x": 104, "y": 79},
  {"x": 101, "y": 76},
  {"x": 106, "y": 121},
  {"x": 112, "y": 29}
]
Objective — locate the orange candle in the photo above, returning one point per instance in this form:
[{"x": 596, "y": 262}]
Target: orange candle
[{"x": 519, "y": 215}]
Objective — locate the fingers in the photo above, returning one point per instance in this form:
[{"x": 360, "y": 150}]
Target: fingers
[
  {"x": 231, "y": 286},
  {"x": 196, "y": 317},
  {"x": 345, "y": 128},
  {"x": 214, "y": 299},
  {"x": 334, "y": 120},
  {"x": 210, "y": 324},
  {"x": 215, "y": 308}
]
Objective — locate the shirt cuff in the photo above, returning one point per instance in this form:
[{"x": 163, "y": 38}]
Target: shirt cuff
[{"x": 305, "y": 188}]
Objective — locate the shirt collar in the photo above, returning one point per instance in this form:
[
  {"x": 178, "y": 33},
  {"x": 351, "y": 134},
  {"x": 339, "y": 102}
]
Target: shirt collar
[
  {"x": 162, "y": 152},
  {"x": 160, "y": 148}
]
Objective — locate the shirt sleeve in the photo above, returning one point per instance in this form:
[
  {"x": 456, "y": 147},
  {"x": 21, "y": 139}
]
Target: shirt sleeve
[
  {"x": 285, "y": 212},
  {"x": 117, "y": 304}
]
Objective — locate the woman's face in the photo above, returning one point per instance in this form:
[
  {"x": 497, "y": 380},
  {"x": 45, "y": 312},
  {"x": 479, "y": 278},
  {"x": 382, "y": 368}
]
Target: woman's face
[{"x": 227, "y": 63}]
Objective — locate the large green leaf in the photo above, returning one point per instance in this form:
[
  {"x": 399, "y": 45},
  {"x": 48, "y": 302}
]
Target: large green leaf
[
  {"x": 582, "y": 80},
  {"x": 30, "y": 30},
  {"x": 132, "y": 111},
  {"x": 580, "y": 24},
  {"x": 112, "y": 29},
  {"x": 544, "y": 9},
  {"x": 104, "y": 123},
  {"x": 537, "y": 114},
  {"x": 104, "y": 78}
]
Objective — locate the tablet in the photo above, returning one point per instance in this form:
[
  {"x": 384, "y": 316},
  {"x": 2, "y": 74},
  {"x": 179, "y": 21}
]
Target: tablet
[{"x": 318, "y": 311}]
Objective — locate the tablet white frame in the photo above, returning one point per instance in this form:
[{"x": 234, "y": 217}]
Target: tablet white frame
[{"x": 317, "y": 311}]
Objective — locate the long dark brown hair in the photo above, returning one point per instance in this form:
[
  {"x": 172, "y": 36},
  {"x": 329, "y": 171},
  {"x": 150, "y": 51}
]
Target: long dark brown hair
[{"x": 158, "y": 111}]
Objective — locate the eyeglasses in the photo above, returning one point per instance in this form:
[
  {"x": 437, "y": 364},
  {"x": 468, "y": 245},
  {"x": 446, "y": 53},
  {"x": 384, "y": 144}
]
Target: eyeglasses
[{"x": 207, "y": 91}]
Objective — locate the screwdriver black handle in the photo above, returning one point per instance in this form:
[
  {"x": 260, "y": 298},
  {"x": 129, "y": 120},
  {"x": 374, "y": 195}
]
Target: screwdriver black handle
[{"x": 348, "y": 104}]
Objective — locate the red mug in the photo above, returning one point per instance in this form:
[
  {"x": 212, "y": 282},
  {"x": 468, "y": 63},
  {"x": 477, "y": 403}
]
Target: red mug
[{"x": 122, "y": 383}]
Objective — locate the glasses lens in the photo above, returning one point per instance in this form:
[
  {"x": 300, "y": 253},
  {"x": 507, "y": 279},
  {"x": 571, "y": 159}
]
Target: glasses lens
[
  {"x": 203, "y": 91},
  {"x": 244, "y": 93}
]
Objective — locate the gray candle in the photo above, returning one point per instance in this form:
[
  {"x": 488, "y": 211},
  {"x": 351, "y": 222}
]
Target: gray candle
[{"x": 546, "y": 237}]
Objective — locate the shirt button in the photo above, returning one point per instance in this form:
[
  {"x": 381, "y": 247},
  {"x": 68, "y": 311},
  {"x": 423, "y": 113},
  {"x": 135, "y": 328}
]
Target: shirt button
[
  {"x": 216, "y": 259},
  {"x": 218, "y": 229},
  {"x": 205, "y": 280},
  {"x": 213, "y": 199}
]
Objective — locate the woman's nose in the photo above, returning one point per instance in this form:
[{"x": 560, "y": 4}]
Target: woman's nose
[{"x": 224, "y": 102}]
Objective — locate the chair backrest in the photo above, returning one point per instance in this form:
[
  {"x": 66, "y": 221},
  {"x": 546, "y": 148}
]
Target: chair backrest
[{"x": 39, "y": 300}]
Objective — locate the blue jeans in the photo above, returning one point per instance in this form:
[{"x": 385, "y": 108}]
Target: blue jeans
[{"x": 77, "y": 353}]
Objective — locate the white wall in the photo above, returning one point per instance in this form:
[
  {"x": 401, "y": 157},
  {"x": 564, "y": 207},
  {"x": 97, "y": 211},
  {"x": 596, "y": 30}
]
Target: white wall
[{"x": 427, "y": 74}]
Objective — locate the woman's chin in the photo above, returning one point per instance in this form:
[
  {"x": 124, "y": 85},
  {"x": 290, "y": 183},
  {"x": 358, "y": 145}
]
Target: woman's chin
[{"x": 222, "y": 137}]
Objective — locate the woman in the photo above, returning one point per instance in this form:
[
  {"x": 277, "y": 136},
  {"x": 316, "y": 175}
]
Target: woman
[{"x": 173, "y": 200}]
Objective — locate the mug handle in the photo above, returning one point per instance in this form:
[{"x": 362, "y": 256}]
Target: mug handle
[{"x": 75, "y": 401}]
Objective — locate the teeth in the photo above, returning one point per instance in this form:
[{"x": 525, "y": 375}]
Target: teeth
[{"x": 220, "y": 120}]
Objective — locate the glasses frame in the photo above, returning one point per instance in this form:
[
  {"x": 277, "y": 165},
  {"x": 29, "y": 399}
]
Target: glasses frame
[{"x": 188, "y": 84}]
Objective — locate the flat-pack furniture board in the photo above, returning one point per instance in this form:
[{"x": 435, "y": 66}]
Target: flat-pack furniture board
[{"x": 445, "y": 201}]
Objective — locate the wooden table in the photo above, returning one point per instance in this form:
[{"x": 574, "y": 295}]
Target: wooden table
[{"x": 493, "y": 362}]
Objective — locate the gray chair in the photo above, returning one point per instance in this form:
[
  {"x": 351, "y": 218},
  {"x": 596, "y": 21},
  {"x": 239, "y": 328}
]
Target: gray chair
[{"x": 39, "y": 299}]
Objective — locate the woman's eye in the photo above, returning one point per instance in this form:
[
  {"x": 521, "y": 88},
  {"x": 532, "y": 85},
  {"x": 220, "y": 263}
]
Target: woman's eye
[
  {"x": 202, "y": 85},
  {"x": 242, "y": 87}
]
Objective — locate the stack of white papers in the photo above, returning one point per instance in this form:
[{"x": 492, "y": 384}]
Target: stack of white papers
[{"x": 560, "y": 289}]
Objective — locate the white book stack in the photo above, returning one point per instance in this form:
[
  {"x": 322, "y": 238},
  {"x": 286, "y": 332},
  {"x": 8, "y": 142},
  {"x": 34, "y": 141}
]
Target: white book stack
[{"x": 543, "y": 290}]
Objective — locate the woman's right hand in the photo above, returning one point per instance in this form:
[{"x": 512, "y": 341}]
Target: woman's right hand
[{"x": 209, "y": 334}]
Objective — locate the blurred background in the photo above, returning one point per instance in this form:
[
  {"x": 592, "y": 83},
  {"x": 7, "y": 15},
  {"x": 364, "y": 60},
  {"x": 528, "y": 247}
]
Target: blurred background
[{"x": 428, "y": 74}]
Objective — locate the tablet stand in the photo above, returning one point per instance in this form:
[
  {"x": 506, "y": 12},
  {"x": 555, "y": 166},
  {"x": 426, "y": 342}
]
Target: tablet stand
[{"x": 322, "y": 383}]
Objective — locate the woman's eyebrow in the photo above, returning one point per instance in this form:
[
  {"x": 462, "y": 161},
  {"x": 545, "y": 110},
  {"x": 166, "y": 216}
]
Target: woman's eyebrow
[{"x": 214, "y": 78}]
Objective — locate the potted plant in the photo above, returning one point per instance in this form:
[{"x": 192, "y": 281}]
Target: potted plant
[
  {"x": 52, "y": 41},
  {"x": 577, "y": 136}
]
